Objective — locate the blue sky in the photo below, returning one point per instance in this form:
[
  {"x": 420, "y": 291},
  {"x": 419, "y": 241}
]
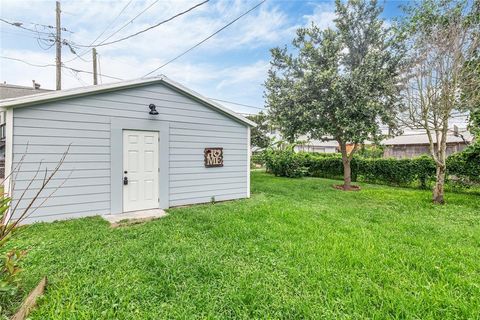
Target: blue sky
[{"x": 231, "y": 66}]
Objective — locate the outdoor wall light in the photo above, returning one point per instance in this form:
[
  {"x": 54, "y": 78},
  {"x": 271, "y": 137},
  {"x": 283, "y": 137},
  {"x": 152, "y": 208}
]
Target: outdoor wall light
[{"x": 153, "y": 109}]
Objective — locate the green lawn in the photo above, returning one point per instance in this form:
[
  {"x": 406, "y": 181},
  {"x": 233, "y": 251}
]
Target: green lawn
[{"x": 296, "y": 249}]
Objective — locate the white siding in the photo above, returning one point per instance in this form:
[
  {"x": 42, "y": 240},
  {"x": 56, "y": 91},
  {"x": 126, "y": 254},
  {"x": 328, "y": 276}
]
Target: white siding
[{"x": 84, "y": 123}]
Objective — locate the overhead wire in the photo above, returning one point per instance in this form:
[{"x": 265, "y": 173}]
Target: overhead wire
[
  {"x": 39, "y": 40},
  {"x": 77, "y": 77},
  {"x": 29, "y": 63},
  {"x": 112, "y": 22},
  {"x": 131, "y": 20},
  {"x": 79, "y": 56},
  {"x": 101, "y": 75},
  {"x": 149, "y": 28},
  {"x": 29, "y": 35},
  {"x": 71, "y": 69},
  {"x": 204, "y": 40},
  {"x": 238, "y": 104},
  {"x": 63, "y": 66},
  {"x": 20, "y": 25}
]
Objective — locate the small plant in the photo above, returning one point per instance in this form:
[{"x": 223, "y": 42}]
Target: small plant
[
  {"x": 9, "y": 262},
  {"x": 11, "y": 218},
  {"x": 10, "y": 269},
  {"x": 212, "y": 200}
]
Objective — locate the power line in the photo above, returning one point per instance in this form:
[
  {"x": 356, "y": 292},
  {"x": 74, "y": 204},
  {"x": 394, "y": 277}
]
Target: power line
[
  {"x": 90, "y": 72},
  {"x": 79, "y": 56},
  {"x": 113, "y": 21},
  {"x": 20, "y": 25},
  {"x": 29, "y": 63},
  {"x": 49, "y": 26},
  {"x": 149, "y": 28},
  {"x": 107, "y": 76},
  {"x": 43, "y": 42},
  {"x": 131, "y": 20},
  {"x": 238, "y": 104},
  {"x": 204, "y": 40},
  {"x": 53, "y": 65},
  {"x": 77, "y": 77},
  {"x": 23, "y": 35}
]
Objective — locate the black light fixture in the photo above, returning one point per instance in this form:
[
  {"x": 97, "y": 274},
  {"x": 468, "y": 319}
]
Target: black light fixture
[{"x": 153, "y": 109}]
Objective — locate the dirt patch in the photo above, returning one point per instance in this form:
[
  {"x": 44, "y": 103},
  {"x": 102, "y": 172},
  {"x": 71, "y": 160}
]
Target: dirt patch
[
  {"x": 341, "y": 187},
  {"x": 131, "y": 222}
]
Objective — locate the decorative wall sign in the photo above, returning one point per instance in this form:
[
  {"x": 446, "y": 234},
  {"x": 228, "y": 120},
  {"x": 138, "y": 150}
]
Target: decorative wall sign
[{"x": 213, "y": 157}]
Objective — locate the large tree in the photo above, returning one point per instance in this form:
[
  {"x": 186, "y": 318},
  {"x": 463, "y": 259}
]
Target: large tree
[
  {"x": 471, "y": 87},
  {"x": 259, "y": 135},
  {"x": 442, "y": 74},
  {"x": 338, "y": 84}
]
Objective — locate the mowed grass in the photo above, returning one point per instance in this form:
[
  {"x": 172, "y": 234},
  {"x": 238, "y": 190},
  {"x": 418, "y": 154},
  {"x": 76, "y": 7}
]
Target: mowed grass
[{"x": 296, "y": 249}]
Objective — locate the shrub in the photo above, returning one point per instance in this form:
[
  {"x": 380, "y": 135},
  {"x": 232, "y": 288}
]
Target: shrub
[
  {"x": 465, "y": 165},
  {"x": 327, "y": 166},
  {"x": 400, "y": 172},
  {"x": 373, "y": 151},
  {"x": 257, "y": 159},
  {"x": 417, "y": 172},
  {"x": 284, "y": 163}
]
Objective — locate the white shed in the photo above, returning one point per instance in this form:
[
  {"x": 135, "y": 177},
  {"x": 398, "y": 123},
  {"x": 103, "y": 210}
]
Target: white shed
[{"x": 135, "y": 145}]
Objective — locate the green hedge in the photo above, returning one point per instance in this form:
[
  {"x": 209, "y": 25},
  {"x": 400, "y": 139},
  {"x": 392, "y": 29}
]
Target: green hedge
[
  {"x": 285, "y": 163},
  {"x": 465, "y": 165},
  {"x": 257, "y": 158},
  {"x": 326, "y": 165},
  {"x": 400, "y": 172}
]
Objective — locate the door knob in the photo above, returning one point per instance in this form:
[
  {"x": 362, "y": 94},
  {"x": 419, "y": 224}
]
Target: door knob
[{"x": 125, "y": 180}]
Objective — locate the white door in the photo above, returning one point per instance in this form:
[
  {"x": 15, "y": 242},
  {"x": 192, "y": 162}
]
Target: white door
[{"x": 140, "y": 170}]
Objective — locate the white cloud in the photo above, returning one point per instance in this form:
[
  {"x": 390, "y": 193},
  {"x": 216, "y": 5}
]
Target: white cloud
[
  {"x": 228, "y": 66},
  {"x": 236, "y": 75},
  {"x": 323, "y": 16}
]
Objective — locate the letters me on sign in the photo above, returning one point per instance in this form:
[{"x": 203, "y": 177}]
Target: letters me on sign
[{"x": 213, "y": 157}]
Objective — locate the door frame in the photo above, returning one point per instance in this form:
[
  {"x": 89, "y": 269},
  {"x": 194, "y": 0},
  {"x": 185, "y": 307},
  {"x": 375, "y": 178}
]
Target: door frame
[{"x": 117, "y": 126}]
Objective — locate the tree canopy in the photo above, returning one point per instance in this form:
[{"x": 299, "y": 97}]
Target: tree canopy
[
  {"x": 338, "y": 84},
  {"x": 259, "y": 135},
  {"x": 442, "y": 73}
]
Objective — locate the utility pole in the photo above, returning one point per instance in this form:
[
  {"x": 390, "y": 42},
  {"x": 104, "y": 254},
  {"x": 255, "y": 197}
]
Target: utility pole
[
  {"x": 94, "y": 56},
  {"x": 58, "y": 42}
]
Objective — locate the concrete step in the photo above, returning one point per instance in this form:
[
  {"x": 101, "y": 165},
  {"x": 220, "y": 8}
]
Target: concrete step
[{"x": 135, "y": 216}]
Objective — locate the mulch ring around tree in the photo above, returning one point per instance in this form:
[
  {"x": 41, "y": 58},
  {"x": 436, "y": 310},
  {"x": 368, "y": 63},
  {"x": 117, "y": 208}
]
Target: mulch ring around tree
[{"x": 350, "y": 188}]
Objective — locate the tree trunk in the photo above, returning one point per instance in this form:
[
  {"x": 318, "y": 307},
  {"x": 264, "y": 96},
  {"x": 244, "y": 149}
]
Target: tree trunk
[
  {"x": 347, "y": 174},
  {"x": 347, "y": 171},
  {"x": 438, "y": 190}
]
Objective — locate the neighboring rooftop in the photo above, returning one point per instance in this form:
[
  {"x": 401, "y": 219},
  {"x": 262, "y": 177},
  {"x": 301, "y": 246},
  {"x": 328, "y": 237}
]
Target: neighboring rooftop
[
  {"x": 416, "y": 138},
  {"x": 13, "y": 91}
]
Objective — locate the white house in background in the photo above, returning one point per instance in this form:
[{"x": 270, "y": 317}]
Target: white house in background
[
  {"x": 410, "y": 144},
  {"x": 415, "y": 143},
  {"x": 135, "y": 145},
  {"x": 307, "y": 145},
  {"x": 329, "y": 146}
]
